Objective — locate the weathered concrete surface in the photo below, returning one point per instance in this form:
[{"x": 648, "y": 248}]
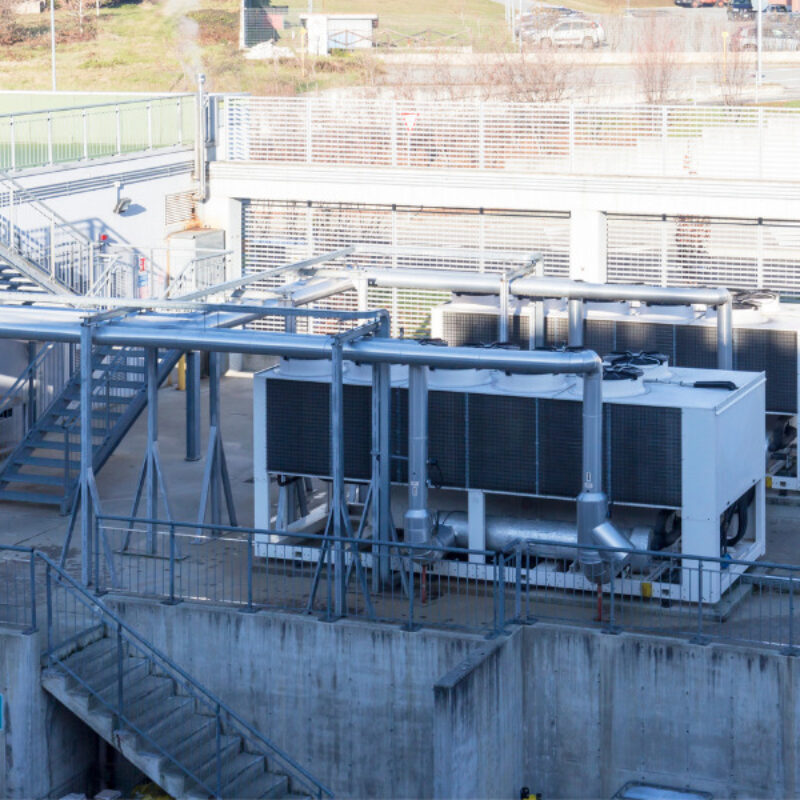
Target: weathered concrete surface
[
  {"x": 44, "y": 749},
  {"x": 478, "y": 722},
  {"x": 352, "y": 702},
  {"x": 602, "y": 710}
]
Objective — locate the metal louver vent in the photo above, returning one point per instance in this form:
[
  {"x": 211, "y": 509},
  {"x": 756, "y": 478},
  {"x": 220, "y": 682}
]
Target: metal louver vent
[{"x": 178, "y": 208}]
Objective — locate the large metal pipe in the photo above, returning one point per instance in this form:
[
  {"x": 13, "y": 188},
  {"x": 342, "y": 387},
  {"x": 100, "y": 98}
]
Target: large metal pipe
[
  {"x": 575, "y": 322},
  {"x": 418, "y": 517},
  {"x": 540, "y": 287},
  {"x": 592, "y": 504}
]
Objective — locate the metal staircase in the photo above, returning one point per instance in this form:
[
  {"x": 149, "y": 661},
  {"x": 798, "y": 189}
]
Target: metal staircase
[
  {"x": 160, "y": 718},
  {"x": 44, "y": 467}
]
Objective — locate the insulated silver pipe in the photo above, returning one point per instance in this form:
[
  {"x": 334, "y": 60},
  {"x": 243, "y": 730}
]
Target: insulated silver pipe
[
  {"x": 575, "y": 322},
  {"x": 592, "y": 503},
  {"x": 418, "y": 517},
  {"x": 503, "y": 326},
  {"x": 538, "y": 287},
  {"x": 313, "y": 292}
]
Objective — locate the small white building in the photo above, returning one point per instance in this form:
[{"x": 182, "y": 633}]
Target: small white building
[{"x": 328, "y": 32}]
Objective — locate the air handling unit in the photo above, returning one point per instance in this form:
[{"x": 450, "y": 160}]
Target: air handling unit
[
  {"x": 682, "y": 460},
  {"x": 764, "y": 336}
]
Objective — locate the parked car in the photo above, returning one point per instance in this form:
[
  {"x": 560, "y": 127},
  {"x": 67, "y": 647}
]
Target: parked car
[
  {"x": 567, "y": 33},
  {"x": 743, "y": 9},
  {"x": 772, "y": 38},
  {"x": 698, "y": 3}
]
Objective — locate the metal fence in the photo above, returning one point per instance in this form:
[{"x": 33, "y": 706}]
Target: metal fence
[
  {"x": 452, "y": 588},
  {"x": 664, "y": 141},
  {"x": 43, "y": 138},
  {"x": 18, "y": 587},
  {"x": 52, "y": 246}
]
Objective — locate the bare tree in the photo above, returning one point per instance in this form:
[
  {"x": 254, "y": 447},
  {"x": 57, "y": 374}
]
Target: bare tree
[
  {"x": 732, "y": 71},
  {"x": 10, "y": 30},
  {"x": 656, "y": 68}
]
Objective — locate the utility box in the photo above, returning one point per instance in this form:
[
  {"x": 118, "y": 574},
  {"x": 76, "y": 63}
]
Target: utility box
[
  {"x": 196, "y": 260},
  {"x": 328, "y": 32}
]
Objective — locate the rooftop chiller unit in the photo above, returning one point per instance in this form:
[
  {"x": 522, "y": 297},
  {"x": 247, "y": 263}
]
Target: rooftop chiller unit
[
  {"x": 765, "y": 338},
  {"x": 683, "y": 457}
]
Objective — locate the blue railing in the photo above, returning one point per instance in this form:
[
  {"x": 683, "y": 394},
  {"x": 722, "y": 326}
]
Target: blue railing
[
  {"x": 454, "y": 588},
  {"x": 74, "y": 614}
]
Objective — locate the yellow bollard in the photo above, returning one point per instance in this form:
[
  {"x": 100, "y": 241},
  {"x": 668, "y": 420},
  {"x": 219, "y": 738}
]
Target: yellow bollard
[{"x": 182, "y": 374}]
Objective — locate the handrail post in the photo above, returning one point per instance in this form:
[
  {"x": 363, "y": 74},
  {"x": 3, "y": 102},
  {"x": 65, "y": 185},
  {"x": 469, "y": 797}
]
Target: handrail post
[
  {"x": 33, "y": 592},
  {"x": 49, "y": 594},
  {"x": 149, "y": 126},
  {"x": 85, "y": 121},
  {"x": 790, "y": 649},
  {"x": 49, "y": 138},
  {"x": 410, "y": 624},
  {"x": 13, "y": 142},
  {"x": 96, "y": 555},
  {"x": 119, "y": 130},
  {"x": 250, "y": 571},
  {"x": 699, "y": 638},
  {"x": 500, "y": 595},
  {"x": 172, "y": 564},
  {"x": 218, "y": 735},
  {"x": 119, "y": 674}
]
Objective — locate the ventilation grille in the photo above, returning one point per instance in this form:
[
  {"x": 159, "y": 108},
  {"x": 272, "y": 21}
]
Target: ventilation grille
[
  {"x": 463, "y": 328},
  {"x": 178, "y": 208},
  {"x": 535, "y": 451}
]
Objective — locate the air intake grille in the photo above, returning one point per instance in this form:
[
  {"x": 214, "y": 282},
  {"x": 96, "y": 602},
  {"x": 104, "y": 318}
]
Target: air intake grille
[
  {"x": 520, "y": 445},
  {"x": 461, "y": 328}
]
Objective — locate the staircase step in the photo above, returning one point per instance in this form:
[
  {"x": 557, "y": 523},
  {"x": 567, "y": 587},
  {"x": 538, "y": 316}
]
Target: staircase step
[
  {"x": 53, "y": 444},
  {"x": 203, "y": 763},
  {"x": 30, "y": 497},
  {"x": 182, "y": 718},
  {"x": 133, "y": 670},
  {"x": 38, "y": 461},
  {"x": 169, "y": 712},
  {"x": 140, "y": 687},
  {"x": 254, "y": 781},
  {"x": 33, "y": 478},
  {"x": 95, "y": 653},
  {"x": 163, "y": 690}
]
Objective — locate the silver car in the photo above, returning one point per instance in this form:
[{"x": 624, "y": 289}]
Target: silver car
[
  {"x": 772, "y": 39},
  {"x": 567, "y": 33}
]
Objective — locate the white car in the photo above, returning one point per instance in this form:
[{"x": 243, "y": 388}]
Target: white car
[{"x": 567, "y": 33}]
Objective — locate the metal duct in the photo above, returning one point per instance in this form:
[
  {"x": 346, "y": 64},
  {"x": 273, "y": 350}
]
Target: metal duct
[
  {"x": 538, "y": 287},
  {"x": 418, "y": 517}
]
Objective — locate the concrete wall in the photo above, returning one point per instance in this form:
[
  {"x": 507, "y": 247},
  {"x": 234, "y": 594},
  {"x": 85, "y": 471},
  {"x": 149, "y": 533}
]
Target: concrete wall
[
  {"x": 603, "y": 710},
  {"x": 44, "y": 749},
  {"x": 478, "y": 724},
  {"x": 351, "y": 702}
]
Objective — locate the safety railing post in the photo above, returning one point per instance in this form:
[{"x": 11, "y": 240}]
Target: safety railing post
[
  {"x": 664, "y": 139},
  {"x": 218, "y": 745},
  {"x": 250, "y": 571},
  {"x": 481, "y": 134},
  {"x": 393, "y": 133},
  {"x": 309, "y": 134},
  {"x": 49, "y": 595},
  {"x": 85, "y": 124},
  {"x": 499, "y": 595},
  {"x": 32, "y": 567},
  {"x": 790, "y": 649},
  {"x": 49, "y": 138},
  {"x": 611, "y": 627},
  {"x": 13, "y": 143},
  {"x": 699, "y": 638},
  {"x": 119, "y": 130},
  {"x": 760, "y": 143},
  {"x": 172, "y": 564},
  {"x": 410, "y": 623},
  {"x": 518, "y": 584},
  {"x": 120, "y": 698},
  {"x": 571, "y": 137},
  {"x": 96, "y": 555},
  {"x": 149, "y": 126},
  {"x": 180, "y": 122}
]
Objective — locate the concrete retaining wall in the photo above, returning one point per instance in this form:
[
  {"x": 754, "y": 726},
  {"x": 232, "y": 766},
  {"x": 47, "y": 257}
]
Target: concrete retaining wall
[
  {"x": 478, "y": 724},
  {"x": 44, "y": 749},
  {"x": 351, "y": 702},
  {"x": 603, "y": 710},
  {"x": 375, "y": 711}
]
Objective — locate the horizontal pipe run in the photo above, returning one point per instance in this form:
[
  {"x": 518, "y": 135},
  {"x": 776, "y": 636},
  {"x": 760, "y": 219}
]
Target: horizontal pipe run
[{"x": 128, "y": 333}]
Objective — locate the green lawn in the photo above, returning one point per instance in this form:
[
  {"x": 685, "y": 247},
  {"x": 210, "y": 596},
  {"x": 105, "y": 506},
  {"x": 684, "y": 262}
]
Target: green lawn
[{"x": 145, "y": 46}]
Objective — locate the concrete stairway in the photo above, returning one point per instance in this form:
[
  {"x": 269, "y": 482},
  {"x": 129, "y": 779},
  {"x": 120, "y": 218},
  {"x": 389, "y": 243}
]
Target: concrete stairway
[
  {"x": 44, "y": 467},
  {"x": 172, "y": 737}
]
